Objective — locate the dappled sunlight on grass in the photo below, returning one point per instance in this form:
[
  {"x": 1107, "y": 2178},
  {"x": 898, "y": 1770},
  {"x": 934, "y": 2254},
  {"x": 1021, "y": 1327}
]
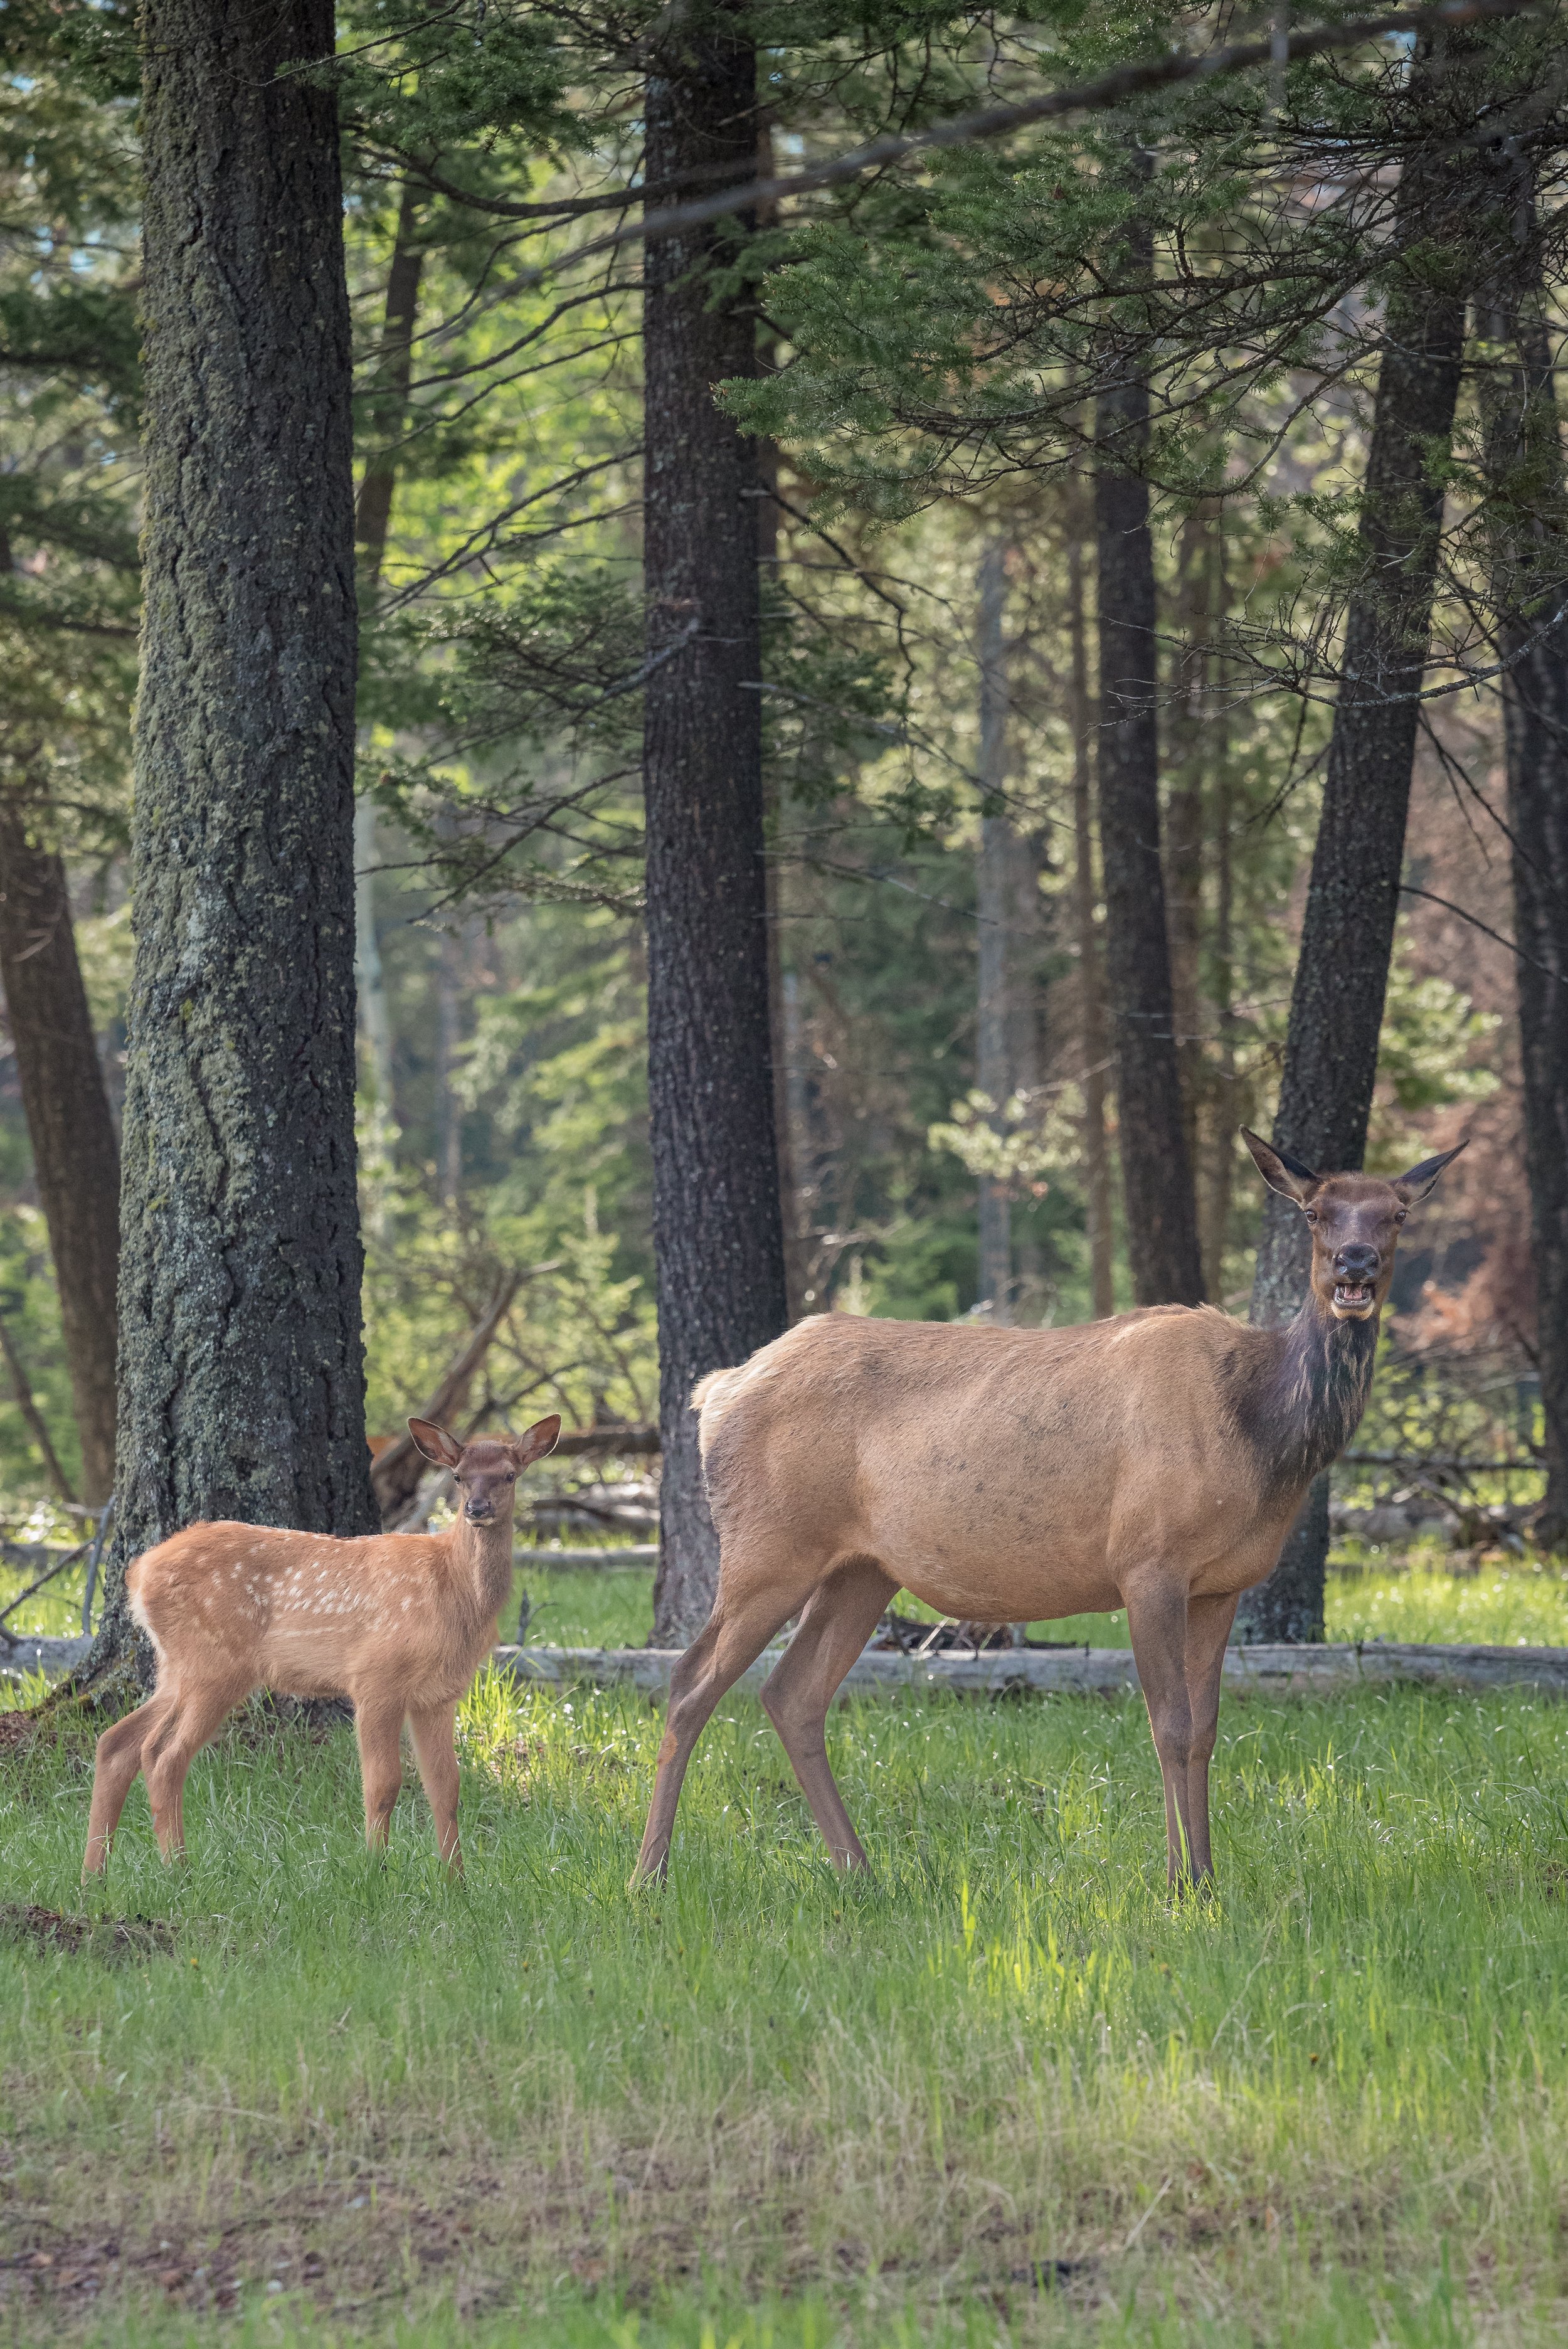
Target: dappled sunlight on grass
[
  {"x": 1497, "y": 1605},
  {"x": 1330, "y": 2104}
]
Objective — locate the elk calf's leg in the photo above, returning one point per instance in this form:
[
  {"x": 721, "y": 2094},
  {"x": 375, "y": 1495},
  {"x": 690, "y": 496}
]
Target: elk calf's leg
[
  {"x": 733, "y": 1637},
  {"x": 380, "y": 1730},
  {"x": 1157, "y": 1620},
  {"x": 1209, "y": 1624},
  {"x": 193, "y": 1717},
  {"x": 117, "y": 1765},
  {"x": 437, "y": 1753},
  {"x": 838, "y": 1619}
]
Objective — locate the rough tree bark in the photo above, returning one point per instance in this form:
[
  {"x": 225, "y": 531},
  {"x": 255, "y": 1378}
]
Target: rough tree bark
[
  {"x": 1353, "y": 893},
  {"x": 1187, "y": 748},
  {"x": 1219, "y": 1157},
  {"x": 1156, "y": 1168},
  {"x": 75, "y": 1157},
  {"x": 1091, "y": 983},
  {"x": 384, "y": 411},
  {"x": 1528, "y": 508},
  {"x": 717, "y": 1233},
  {"x": 994, "y": 906},
  {"x": 242, "y": 1374}
]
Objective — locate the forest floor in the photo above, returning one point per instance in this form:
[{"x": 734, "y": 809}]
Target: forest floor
[{"x": 999, "y": 2090}]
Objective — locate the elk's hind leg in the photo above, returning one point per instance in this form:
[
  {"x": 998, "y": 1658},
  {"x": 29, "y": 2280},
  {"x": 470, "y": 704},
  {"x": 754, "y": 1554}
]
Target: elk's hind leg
[
  {"x": 752, "y": 1604},
  {"x": 116, "y": 1767},
  {"x": 840, "y": 1617},
  {"x": 1157, "y": 1624},
  {"x": 195, "y": 1715}
]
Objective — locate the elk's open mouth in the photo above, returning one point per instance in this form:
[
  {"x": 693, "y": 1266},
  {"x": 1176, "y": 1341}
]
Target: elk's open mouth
[{"x": 1352, "y": 1297}]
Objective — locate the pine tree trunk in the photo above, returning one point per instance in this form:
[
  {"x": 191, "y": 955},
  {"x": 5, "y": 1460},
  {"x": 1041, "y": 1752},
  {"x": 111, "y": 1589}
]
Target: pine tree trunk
[
  {"x": 1220, "y": 1140},
  {"x": 1156, "y": 1170},
  {"x": 1527, "y": 504},
  {"x": 994, "y": 893},
  {"x": 1188, "y": 745},
  {"x": 75, "y": 1157},
  {"x": 373, "y": 520},
  {"x": 242, "y": 1374},
  {"x": 1093, "y": 1042},
  {"x": 717, "y": 1231},
  {"x": 1353, "y": 893}
]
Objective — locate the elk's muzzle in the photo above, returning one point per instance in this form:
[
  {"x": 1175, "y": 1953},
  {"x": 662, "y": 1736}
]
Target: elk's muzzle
[{"x": 1355, "y": 1272}]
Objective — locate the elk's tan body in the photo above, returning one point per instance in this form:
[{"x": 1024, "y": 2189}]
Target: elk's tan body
[
  {"x": 1153, "y": 1462},
  {"x": 398, "y": 1624},
  {"x": 1002, "y": 1475}
]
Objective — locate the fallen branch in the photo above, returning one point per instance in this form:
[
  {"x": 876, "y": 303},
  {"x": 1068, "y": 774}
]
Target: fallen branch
[
  {"x": 1436, "y": 1463},
  {"x": 633, "y": 1443},
  {"x": 396, "y": 1471}
]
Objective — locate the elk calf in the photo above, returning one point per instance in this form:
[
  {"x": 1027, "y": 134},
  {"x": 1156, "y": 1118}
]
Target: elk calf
[
  {"x": 1153, "y": 1462},
  {"x": 398, "y": 1624}
]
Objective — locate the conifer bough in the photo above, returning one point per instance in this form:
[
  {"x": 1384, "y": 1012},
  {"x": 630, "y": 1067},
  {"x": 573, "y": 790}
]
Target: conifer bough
[{"x": 1105, "y": 92}]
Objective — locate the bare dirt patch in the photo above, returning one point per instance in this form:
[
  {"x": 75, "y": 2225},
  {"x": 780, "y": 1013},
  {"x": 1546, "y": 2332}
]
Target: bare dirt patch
[{"x": 53, "y": 1929}]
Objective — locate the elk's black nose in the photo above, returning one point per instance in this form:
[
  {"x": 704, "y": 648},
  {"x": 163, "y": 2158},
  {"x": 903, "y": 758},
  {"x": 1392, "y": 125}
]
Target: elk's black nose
[
  {"x": 481, "y": 1511},
  {"x": 1357, "y": 1261}
]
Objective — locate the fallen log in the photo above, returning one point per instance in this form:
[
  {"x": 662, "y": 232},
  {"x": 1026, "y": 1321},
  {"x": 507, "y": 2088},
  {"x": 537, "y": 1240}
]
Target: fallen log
[
  {"x": 1094, "y": 1671},
  {"x": 1279, "y": 1669}
]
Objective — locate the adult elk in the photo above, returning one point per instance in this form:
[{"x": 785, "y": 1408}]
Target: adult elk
[
  {"x": 398, "y": 1624},
  {"x": 1153, "y": 1462}
]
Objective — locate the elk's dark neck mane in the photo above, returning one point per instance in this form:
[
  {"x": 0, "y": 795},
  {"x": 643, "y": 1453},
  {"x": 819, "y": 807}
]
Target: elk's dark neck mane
[{"x": 1296, "y": 1394}]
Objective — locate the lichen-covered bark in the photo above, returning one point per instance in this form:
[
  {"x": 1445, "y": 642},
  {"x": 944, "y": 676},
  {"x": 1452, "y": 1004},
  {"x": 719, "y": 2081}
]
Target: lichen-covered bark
[
  {"x": 717, "y": 1231},
  {"x": 76, "y": 1158},
  {"x": 241, "y": 1367}
]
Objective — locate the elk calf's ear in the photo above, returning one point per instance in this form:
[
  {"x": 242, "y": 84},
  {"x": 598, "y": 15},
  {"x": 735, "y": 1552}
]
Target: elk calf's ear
[
  {"x": 536, "y": 1440},
  {"x": 1414, "y": 1187},
  {"x": 1281, "y": 1173},
  {"x": 434, "y": 1444}
]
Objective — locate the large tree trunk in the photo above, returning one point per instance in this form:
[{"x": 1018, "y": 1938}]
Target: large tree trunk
[
  {"x": 75, "y": 1157},
  {"x": 1527, "y": 509},
  {"x": 1093, "y": 1042},
  {"x": 242, "y": 1376},
  {"x": 1188, "y": 741},
  {"x": 718, "y": 1234},
  {"x": 1155, "y": 1169},
  {"x": 387, "y": 414},
  {"x": 995, "y": 893},
  {"x": 1353, "y": 893}
]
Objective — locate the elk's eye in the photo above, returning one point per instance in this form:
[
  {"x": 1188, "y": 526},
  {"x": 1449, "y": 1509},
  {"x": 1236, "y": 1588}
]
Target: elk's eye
[
  {"x": 1399, "y": 1214},
  {"x": 1311, "y": 1215}
]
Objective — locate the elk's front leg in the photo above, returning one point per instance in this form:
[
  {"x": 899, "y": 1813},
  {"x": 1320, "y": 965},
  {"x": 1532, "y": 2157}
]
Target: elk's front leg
[
  {"x": 379, "y": 1730},
  {"x": 1157, "y": 1620},
  {"x": 437, "y": 1755}
]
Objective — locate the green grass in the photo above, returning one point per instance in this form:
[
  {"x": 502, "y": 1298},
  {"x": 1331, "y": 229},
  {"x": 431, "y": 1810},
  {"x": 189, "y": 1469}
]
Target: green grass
[{"x": 766, "y": 2107}]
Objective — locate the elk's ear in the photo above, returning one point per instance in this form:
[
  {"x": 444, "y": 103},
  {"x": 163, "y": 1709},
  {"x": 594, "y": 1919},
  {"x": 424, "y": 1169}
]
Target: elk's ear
[
  {"x": 536, "y": 1440},
  {"x": 1285, "y": 1175},
  {"x": 434, "y": 1444},
  {"x": 1414, "y": 1187}
]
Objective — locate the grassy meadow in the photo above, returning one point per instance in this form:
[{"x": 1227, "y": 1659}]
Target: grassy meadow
[{"x": 999, "y": 2091}]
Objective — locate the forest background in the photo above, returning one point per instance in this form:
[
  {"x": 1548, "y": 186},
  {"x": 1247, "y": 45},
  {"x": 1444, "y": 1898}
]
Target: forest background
[{"x": 930, "y": 348}]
